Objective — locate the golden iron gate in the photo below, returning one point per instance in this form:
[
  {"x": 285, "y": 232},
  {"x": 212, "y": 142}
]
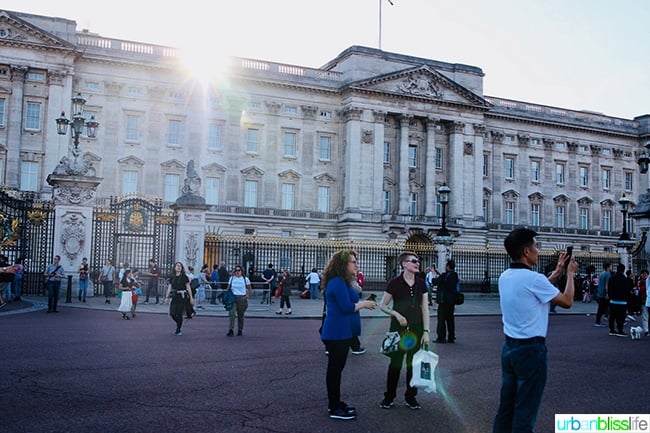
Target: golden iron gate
[
  {"x": 133, "y": 229},
  {"x": 27, "y": 232}
]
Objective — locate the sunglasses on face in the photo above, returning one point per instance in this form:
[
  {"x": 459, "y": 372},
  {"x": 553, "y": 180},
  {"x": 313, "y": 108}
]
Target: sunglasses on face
[
  {"x": 414, "y": 261},
  {"x": 237, "y": 270}
]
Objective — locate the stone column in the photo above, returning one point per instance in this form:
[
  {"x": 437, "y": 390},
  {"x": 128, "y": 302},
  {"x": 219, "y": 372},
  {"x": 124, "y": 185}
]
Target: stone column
[
  {"x": 73, "y": 196},
  {"x": 456, "y": 173},
  {"x": 430, "y": 169},
  {"x": 477, "y": 158},
  {"x": 352, "y": 116},
  {"x": 405, "y": 120},
  {"x": 377, "y": 168},
  {"x": 14, "y": 125}
]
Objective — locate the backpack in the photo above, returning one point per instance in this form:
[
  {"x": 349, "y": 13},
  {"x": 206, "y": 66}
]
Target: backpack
[
  {"x": 194, "y": 284},
  {"x": 228, "y": 300}
]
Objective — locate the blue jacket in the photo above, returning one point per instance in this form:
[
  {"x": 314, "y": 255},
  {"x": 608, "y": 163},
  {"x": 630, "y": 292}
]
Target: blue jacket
[{"x": 341, "y": 321}]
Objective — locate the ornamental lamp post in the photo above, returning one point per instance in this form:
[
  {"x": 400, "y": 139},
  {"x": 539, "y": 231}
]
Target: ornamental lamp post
[
  {"x": 443, "y": 192},
  {"x": 644, "y": 159},
  {"x": 625, "y": 203},
  {"x": 78, "y": 122}
]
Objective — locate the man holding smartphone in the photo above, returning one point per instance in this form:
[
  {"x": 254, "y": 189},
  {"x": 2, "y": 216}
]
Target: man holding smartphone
[{"x": 525, "y": 297}]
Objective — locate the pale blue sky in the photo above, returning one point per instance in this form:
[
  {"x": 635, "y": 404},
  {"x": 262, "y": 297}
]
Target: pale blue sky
[{"x": 575, "y": 54}]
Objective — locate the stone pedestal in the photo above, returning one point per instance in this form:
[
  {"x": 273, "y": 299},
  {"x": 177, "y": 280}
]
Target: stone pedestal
[
  {"x": 443, "y": 247},
  {"x": 190, "y": 232},
  {"x": 73, "y": 197}
]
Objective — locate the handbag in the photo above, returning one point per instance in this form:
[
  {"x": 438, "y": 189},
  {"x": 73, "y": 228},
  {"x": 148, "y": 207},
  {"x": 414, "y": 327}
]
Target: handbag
[
  {"x": 228, "y": 299},
  {"x": 391, "y": 342},
  {"x": 424, "y": 366},
  {"x": 459, "y": 298}
]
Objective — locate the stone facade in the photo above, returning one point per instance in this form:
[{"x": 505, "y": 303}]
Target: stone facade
[{"x": 355, "y": 149}]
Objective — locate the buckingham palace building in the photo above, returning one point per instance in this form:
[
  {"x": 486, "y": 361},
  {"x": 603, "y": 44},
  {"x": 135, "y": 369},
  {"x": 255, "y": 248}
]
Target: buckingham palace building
[{"x": 360, "y": 148}]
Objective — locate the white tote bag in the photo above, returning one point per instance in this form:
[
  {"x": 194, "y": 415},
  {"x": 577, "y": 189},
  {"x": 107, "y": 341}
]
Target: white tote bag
[{"x": 424, "y": 366}]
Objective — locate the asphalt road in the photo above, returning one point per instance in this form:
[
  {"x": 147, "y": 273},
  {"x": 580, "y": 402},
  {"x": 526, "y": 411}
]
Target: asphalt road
[{"x": 85, "y": 370}]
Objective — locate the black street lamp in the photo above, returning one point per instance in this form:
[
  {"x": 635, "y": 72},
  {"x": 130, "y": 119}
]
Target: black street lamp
[
  {"x": 644, "y": 159},
  {"x": 443, "y": 192},
  {"x": 625, "y": 203},
  {"x": 78, "y": 122}
]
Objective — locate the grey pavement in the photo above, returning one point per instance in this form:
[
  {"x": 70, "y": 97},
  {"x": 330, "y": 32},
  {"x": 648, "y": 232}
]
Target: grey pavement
[{"x": 476, "y": 304}]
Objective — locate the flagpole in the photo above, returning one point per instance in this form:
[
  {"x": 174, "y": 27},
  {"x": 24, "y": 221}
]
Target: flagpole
[{"x": 380, "y": 2}]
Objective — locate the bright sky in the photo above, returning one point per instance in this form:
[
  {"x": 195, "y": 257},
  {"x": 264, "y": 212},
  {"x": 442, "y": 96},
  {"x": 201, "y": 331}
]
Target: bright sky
[{"x": 575, "y": 54}]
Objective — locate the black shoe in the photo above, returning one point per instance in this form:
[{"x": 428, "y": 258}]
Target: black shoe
[
  {"x": 440, "y": 341},
  {"x": 230, "y": 333},
  {"x": 386, "y": 404},
  {"x": 359, "y": 351},
  {"x": 451, "y": 340},
  {"x": 342, "y": 414},
  {"x": 412, "y": 403},
  {"x": 239, "y": 333},
  {"x": 348, "y": 409}
]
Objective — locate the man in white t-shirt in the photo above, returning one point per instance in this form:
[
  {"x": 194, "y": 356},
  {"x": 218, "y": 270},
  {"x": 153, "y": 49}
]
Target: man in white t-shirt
[{"x": 525, "y": 297}]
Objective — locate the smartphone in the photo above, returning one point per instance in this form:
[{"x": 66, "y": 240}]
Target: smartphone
[
  {"x": 569, "y": 253},
  {"x": 372, "y": 297}
]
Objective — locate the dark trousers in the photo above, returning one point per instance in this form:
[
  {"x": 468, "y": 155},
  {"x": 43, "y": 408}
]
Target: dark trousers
[
  {"x": 108, "y": 288},
  {"x": 53, "y": 288},
  {"x": 338, "y": 355},
  {"x": 213, "y": 293},
  {"x": 152, "y": 287},
  {"x": 177, "y": 310},
  {"x": 523, "y": 378},
  {"x": 446, "y": 328},
  {"x": 285, "y": 300},
  {"x": 617, "y": 317},
  {"x": 603, "y": 306},
  {"x": 395, "y": 368}
]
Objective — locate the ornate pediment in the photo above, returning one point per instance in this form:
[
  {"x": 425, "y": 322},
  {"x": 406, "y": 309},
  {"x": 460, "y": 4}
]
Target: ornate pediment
[
  {"x": 213, "y": 167},
  {"x": 252, "y": 171},
  {"x": 422, "y": 82},
  {"x": 173, "y": 164},
  {"x": 289, "y": 175},
  {"x": 325, "y": 178},
  {"x": 15, "y": 30}
]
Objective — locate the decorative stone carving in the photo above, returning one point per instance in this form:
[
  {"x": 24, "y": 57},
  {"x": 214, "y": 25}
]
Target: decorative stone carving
[
  {"x": 379, "y": 116},
  {"x": 18, "y": 73},
  {"x": 273, "y": 106},
  {"x": 74, "y": 193},
  {"x": 191, "y": 248},
  {"x": 367, "y": 136},
  {"x": 75, "y": 167},
  {"x": 73, "y": 236},
  {"x": 190, "y": 194},
  {"x": 420, "y": 85},
  {"x": 308, "y": 111},
  {"x": 523, "y": 139},
  {"x": 352, "y": 113},
  {"x": 468, "y": 148},
  {"x": 572, "y": 146},
  {"x": 548, "y": 143}
]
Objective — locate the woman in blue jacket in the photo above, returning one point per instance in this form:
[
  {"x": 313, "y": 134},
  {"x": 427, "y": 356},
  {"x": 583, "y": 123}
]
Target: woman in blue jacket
[{"x": 341, "y": 324}]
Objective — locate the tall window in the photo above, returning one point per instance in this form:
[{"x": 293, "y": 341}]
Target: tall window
[
  {"x": 386, "y": 202},
  {"x": 171, "y": 190},
  {"x": 628, "y": 181},
  {"x": 559, "y": 174},
  {"x": 325, "y": 148},
  {"x": 174, "y": 133},
  {"x": 509, "y": 212},
  {"x": 413, "y": 204},
  {"x": 584, "y": 218},
  {"x": 129, "y": 181},
  {"x": 583, "y": 174},
  {"x": 607, "y": 178},
  {"x": 323, "y": 204},
  {"x": 386, "y": 152},
  {"x": 29, "y": 176},
  {"x": 534, "y": 171},
  {"x": 252, "y": 139},
  {"x": 486, "y": 209},
  {"x": 607, "y": 220},
  {"x": 560, "y": 218},
  {"x": 288, "y": 195},
  {"x": 439, "y": 158},
  {"x": 486, "y": 161},
  {"x": 250, "y": 193},
  {"x": 438, "y": 206},
  {"x": 534, "y": 214},
  {"x": 212, "y": 190},
  {"x": 290, "y": 144},
  {"x": 33, "y": 116},
  {"x": 214, "y": 136},
  {"x": 413, "y": 156},
  {"x": 2, "y": 112},
  {"x": 509, "y": 168},
  {"x": 132, "y": 128}
]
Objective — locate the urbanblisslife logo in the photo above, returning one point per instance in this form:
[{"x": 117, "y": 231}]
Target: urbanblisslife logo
[{"x": 602, "y": 423}]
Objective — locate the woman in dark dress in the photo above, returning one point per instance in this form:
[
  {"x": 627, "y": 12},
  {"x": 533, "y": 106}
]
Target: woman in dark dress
[{"x": 178, "y": 290}]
